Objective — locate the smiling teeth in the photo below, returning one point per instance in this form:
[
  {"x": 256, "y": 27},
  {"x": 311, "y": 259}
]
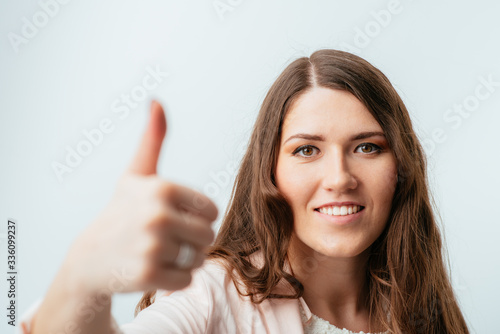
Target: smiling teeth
[{"x": 340, "y": 210}]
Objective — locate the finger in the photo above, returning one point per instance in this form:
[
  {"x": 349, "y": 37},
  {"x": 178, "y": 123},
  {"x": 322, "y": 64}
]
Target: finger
[
  {"x": 187, "y": 199},
  {"x": 170, "y": 279},
  {"x": 184, "y": 227},
  {"x": 195, "y": 259},
  {"x": 146, "y": 157},
  {"x": 166, "y": 255},
  {"x": 197, "y": 232}
]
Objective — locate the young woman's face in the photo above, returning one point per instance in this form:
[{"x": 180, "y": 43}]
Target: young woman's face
[{"x": 336, "y": 171}]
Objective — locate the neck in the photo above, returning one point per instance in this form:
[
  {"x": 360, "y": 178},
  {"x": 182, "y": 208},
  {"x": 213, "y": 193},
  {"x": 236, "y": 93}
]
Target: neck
[{"x": 335, "y": 289}]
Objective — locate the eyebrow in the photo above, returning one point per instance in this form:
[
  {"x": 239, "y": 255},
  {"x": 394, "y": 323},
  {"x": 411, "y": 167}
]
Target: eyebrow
[{"x": 361, "y": 135}]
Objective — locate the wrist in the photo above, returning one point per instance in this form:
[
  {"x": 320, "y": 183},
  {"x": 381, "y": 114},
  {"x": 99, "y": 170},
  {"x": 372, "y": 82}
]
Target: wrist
[{"x": 78, "y": 271}]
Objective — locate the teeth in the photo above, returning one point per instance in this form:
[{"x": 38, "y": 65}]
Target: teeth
[
  {"x": 343, "y": 210},
  {"x": 340, "y": 210}
]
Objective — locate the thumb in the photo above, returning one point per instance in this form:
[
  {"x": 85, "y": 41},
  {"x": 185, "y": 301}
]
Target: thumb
[{"x": 146, "y": 157}]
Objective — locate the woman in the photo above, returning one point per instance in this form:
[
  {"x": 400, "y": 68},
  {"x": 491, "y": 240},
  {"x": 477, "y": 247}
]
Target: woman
[{"x": 330, "y": 225}]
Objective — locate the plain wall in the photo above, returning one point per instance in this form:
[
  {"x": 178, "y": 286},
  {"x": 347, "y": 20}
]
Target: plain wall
[{"x": 69, "y": 76}]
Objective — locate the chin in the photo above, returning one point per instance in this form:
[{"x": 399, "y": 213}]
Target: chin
[
  {"x": 341, "y": 253},
  {"x": 341, "y": 249}
]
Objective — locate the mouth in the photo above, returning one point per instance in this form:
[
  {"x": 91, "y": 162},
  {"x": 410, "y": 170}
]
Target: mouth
[{"x": 344, "y": 210}]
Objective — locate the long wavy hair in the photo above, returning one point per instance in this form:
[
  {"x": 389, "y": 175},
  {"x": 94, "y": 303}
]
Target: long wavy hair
[{"x": 409, "y": 287}]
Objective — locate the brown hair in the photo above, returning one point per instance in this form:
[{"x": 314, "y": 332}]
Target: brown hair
[{"x": 409, "y": 288}]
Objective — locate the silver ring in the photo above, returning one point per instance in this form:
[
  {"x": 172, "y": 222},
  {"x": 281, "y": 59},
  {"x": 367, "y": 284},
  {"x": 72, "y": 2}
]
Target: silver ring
[{"x": 185, "y": 257}]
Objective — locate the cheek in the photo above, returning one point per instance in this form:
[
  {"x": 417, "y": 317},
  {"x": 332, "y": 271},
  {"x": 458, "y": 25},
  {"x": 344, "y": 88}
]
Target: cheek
[
  {"x": 294, "y": 186},
  {"x": 287, "y": 183},
  {"x": 383, "y": 182}
]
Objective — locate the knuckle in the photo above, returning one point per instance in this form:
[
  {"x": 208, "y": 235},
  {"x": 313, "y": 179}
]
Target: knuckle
[
  {"x": 186, "y": 217},
  {"x": 166, "y": 190},
  {"x": 153, "y": 249},
  {"x": 161, "y": 218},
  {"x": 148, "y": 275}
]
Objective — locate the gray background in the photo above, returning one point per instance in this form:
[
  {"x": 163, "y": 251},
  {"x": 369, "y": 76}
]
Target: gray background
[{"x": 64, "y": 79}]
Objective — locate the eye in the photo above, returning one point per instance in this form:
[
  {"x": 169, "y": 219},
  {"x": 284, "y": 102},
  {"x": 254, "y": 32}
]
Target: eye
[
  {"x": 369, "y": 148},
  {"x": 307, "y": 150}
]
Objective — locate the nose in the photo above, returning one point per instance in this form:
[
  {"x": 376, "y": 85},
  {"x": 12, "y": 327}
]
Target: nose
[{"x": 337, "y": 174}]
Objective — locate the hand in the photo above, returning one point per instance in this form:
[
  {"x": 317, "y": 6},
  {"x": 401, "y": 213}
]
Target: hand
[{"x": 134, "y": 244}]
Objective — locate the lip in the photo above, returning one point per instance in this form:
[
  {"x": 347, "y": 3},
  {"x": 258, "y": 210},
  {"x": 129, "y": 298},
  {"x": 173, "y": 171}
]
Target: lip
[
  {"x": 340, "y": 220},
  {"x": 339, "y": 204}
]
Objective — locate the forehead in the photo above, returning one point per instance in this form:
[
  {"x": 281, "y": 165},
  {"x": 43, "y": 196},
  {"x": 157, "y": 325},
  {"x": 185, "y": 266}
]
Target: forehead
[{"x": 329, "y": 111}]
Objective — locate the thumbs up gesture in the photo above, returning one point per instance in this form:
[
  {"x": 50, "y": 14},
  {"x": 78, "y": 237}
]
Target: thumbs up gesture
[{"x": 151, "y": 234}]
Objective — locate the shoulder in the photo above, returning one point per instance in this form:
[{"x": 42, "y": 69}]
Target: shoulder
[
  {"x": 198, "y": 308},
  {"x": 210, "y": 303},
  {"x": 214, "y": 267}
]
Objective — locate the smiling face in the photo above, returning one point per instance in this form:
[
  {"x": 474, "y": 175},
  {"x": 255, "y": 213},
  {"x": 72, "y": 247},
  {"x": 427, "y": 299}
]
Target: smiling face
[{"x": 337, "y": 172}]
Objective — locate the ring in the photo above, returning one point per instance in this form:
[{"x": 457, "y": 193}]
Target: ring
[{"x": 185, "y": 257}]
